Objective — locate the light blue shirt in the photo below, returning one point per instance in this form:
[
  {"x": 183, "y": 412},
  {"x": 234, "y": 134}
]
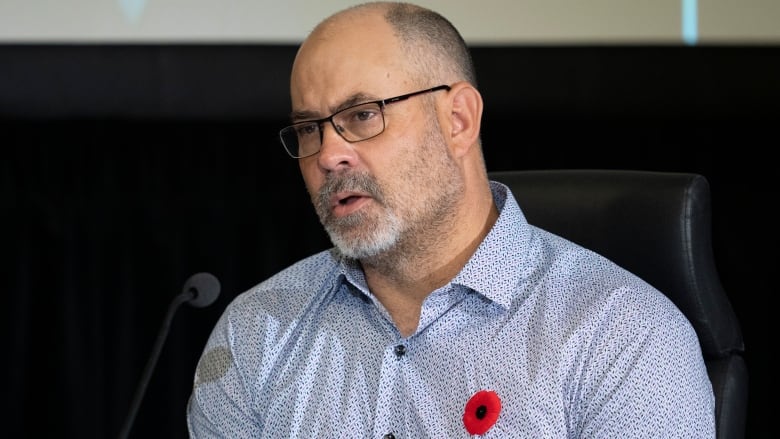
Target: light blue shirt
[{"x": 573, "y": 345}]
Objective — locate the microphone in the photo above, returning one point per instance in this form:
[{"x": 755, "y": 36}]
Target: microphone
[{"x": 200, "y": 290}]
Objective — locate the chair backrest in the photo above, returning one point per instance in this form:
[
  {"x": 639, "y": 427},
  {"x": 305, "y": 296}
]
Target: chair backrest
[{"x": 657, "y": 225}]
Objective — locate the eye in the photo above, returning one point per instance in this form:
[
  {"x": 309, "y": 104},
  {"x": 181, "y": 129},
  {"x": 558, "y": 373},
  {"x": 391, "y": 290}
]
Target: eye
[
  {"x": 365, "y": 115},
  {"x": 361, "y": 114},
  {"x": 306, "y": 129}
]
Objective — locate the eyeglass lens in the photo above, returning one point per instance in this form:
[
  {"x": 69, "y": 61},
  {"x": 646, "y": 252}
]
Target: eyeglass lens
[{"x": 354, "y": 124}]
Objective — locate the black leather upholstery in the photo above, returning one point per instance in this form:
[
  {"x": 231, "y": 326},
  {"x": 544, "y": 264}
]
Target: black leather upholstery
[{"x": 657, "y": 225}]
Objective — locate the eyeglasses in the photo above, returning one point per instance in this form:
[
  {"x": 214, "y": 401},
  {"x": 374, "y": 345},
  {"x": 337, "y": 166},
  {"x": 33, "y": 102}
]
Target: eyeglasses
[{"x": 354, "y": 124}]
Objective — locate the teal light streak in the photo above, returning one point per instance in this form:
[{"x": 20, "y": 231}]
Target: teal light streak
[
  {"x": 132, "y": 9},
  {"x": 690, "y": 22}
]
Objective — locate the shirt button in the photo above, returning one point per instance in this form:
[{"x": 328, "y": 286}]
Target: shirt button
[
  {"x": 388, "y": 436},
  {"x": 400, "y": 351}
]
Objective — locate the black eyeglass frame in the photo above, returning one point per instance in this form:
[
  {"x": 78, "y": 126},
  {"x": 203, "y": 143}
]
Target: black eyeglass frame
[{"x": 382, "y": 104}]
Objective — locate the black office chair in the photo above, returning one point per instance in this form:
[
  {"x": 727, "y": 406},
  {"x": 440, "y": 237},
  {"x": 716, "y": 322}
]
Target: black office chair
[{"x": 657, "y": 225}]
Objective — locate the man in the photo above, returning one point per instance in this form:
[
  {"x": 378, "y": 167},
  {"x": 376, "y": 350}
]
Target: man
[{"x": 440, "y": 312}]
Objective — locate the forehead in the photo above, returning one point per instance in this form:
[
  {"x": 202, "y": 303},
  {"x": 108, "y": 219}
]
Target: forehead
[{"x": 349, "y": 55}]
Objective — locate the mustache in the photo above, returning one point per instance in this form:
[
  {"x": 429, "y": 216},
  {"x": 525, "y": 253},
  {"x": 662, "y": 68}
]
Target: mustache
[{"x": 358, "y": 182}]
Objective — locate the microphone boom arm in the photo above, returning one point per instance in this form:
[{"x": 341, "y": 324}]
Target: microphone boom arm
[{"x": 200, "y": 290}]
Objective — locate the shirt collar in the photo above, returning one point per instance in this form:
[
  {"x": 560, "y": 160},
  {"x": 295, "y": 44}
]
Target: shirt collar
[{"x": 495, "y": 270}]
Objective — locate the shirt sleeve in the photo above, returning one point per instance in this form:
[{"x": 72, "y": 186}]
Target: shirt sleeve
[{"x": 220, "y": 405}]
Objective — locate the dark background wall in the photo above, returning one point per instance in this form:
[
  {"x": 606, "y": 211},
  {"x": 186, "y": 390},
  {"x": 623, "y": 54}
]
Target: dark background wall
[{"x": 127, "y": 168}]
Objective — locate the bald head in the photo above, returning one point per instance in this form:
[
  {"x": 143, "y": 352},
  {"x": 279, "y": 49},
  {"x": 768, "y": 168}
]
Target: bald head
[
  {"x": 372, "y": 51},
  {"x": 430, "y": 47}
]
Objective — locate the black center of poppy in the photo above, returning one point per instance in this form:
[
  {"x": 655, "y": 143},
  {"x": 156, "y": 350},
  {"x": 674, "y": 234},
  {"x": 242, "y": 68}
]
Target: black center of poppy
[{"x": 481, "y": 411}]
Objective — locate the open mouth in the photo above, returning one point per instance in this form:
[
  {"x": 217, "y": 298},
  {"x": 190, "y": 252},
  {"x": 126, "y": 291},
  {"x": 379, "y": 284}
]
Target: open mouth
[
  {"x": 348, "y": 200},
  {"x": 345, "y": 204}
]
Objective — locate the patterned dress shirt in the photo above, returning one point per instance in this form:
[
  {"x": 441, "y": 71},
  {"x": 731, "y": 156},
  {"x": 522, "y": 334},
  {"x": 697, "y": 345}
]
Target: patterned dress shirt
[{"x": 573, "y": 345}]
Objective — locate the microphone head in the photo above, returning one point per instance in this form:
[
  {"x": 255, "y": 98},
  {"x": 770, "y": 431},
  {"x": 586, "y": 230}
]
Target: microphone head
[{"x": 204, "y": 287}]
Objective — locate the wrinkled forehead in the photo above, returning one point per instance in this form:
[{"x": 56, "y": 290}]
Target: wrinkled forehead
[{"x": 347, "y": 56}]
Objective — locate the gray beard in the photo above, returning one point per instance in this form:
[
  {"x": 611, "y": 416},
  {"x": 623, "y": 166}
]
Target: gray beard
[{"x": 358, "y": 236}]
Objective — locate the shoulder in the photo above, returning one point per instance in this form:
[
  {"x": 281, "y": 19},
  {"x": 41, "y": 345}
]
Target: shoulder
[
  {"x": 290, "y": 289},
  {"x": 589, "y": 286},
  {"x": 258, "y": 322}
]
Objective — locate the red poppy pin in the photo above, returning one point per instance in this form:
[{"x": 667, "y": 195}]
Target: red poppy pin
[{"x": 481, "y": 412}]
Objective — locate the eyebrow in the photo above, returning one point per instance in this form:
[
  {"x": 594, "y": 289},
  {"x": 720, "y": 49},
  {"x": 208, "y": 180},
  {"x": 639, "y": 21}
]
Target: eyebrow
[{"x": 355, "y": 99}]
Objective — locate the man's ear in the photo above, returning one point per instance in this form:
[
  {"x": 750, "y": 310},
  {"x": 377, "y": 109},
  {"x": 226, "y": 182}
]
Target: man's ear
[{"x": 465, "y": 118}]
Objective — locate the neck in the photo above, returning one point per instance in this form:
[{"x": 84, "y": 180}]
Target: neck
[{"x": 402, "y": 278}]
